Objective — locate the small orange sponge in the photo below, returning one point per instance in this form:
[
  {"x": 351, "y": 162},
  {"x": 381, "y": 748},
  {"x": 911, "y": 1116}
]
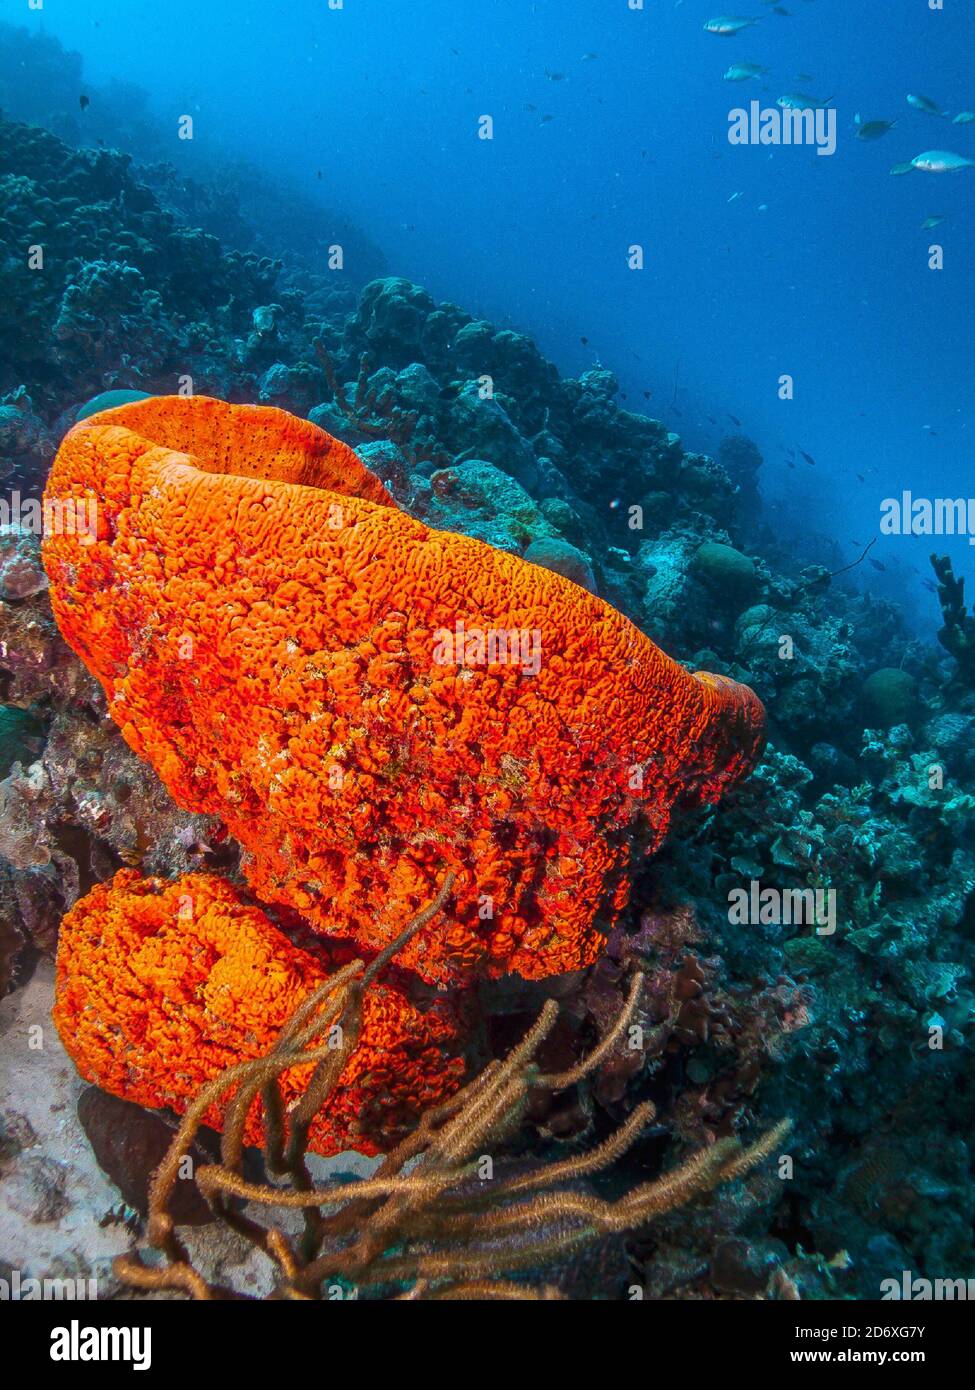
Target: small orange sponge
[
  {"x": 161, "y": 985},
  {"x": 368, "y": 703}
]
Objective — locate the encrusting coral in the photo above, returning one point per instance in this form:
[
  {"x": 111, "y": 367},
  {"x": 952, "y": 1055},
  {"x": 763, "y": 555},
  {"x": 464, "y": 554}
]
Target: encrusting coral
[
  {"x": 162, "y": 984},
  {"x": 368, "y": 703}
]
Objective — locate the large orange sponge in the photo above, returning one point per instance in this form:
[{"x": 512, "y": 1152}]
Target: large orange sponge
[
  {"x": 161, "y": 985},
  {"x": 367, "y": 702}
]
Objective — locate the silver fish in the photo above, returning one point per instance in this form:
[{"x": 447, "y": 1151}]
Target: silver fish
[
  {"x": 727, "y": 25},
  {"x": 934, "y": 221},
  {"x": 741, "y": 72},
  {"x": 964, "y": 118},
  {"x": 941, "y": 162},
  {"x": 798, "y": 101}
]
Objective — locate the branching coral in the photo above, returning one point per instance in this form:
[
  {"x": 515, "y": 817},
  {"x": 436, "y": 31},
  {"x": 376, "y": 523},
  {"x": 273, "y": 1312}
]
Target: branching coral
[
  {"x": 368, "y": 703},
  {"x": 371, "y": 413},
  {"x": 957, "y": 635},
  {"x": 426, "y": 1223},
  {"x": 162, "y": 985}
]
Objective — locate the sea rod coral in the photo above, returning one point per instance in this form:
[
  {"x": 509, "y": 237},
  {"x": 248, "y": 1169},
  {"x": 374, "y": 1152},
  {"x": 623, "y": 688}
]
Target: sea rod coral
[
  {"x": 368, "y": 703},
  {"x": 426, "y": 1223}
]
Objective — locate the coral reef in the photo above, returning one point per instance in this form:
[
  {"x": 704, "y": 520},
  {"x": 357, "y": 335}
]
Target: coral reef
[{"x": 863, "y": 1033}]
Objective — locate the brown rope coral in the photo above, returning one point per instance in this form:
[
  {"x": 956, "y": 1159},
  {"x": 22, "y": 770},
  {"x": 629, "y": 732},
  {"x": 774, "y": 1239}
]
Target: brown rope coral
[{"x": 425, "y": 1219}]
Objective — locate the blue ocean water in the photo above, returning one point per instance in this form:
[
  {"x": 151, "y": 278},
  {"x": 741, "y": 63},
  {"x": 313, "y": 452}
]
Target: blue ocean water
[{"x": 610, "y": 128}]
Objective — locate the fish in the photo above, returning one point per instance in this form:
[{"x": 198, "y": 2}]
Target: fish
[
  {"x": 584, "y": 342},
  {"x": 588, "y": 57},
  {"x": 727, "y": 25},
  {"x": 132, "y": 856},
  {"x": 964, "y": 118},
  {"x": 934, "y": 220},
  {"x": 741, "y": 72},
  {"x": 84, "y": 102},
  {"x": 925, "y": 104},
  {"x": 930, "y": 585},
  {"x": 798, "y": 101},
  {"x": 734, "y": 420},
  {"x": 546, "y": 119},
  {"x": 555, "y": 76},
  {"x": 872, "y": 130},
  {"x": 877, "y": 565},
  {"x": 941, "y": 162},
  {"x": 735, "y": 196},
  {"x": 808, "y": 457},
  {"x": 907, "y": 168}
]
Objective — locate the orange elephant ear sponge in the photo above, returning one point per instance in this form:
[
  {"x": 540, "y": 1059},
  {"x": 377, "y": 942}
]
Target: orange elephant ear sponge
[
  {"x": 162, "y": 985},
  {"x": 368, "y": 703}
]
